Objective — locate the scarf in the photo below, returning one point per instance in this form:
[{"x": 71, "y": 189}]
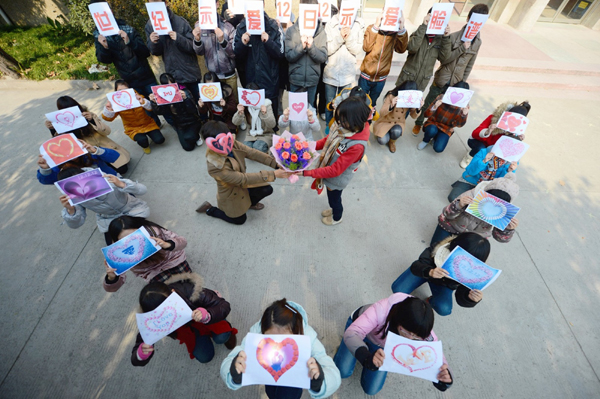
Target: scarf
[
  {"x": 256, "y": 123},
  {"x": 492, "y": 169}
]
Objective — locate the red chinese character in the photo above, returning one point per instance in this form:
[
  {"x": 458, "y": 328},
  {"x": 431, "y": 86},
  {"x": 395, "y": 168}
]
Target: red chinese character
[
  {"x": 391, "y": 16},
  {"x": 437, "y": 19},
  {"x": 157, "y": 19},
  {"x": 103, "y": 21},
  {"x": 310, "y": 19},
  {"x": 472, "y": 30},
  {"x": 347, "y": 15},
  {"x": 254, "y": 20},
  {"x": 206, "y": 15}
]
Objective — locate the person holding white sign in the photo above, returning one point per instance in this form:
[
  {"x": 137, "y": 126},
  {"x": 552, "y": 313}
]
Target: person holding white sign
[
  {"x": 256, "y": 124},
  {"x": 456, "y": 66},
  {"x": 224, "y": 109},
  {"x": 286, "y": 317},
  {"x": 366, "y": 332},
  {"x": 208, "y": 323}
]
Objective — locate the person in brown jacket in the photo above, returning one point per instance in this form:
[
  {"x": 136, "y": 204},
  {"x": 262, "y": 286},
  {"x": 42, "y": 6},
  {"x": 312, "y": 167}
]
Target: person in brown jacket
[
  {"x": 379, "y": 46},
  {"x": 456, "y": 67},
  {"x": 390, "y": 125},
  {"x": 238, "y": 191}
]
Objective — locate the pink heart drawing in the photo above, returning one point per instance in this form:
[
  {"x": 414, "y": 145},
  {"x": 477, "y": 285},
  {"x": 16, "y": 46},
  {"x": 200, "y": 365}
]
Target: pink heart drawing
[
  {"x": 467, "y": 271},
  {"x": 456, "y": 97},
  {"x": 414, "y": 359},
  {"x": 131, "y": 250},
  {"x": 123, "y": 99},
  {"x": 511, "y": 147},
  {"x": 222, "y": 144},
  {"x": 510, "y": 122},
  {"x": 298, "y": 107},
  {"x": 410, "y": 100},
  {"x": 66, "y": 118},
  {"x": 168, "y": 93},
  {"x": 251, "y": 97},
  {"x": 162, "y": 322}
]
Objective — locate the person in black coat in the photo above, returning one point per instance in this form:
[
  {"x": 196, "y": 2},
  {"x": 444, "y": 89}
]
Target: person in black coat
[
  {"x": 428, "y": 269},
  {"x": 210, "y": 311}
]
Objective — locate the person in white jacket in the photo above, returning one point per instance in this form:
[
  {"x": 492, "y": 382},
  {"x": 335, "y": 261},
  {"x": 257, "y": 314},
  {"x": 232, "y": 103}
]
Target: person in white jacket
[
  {"x": 286, "y": 317},
  {"x": 306, "y": 127},
  {"x": 343, "y": 47}
]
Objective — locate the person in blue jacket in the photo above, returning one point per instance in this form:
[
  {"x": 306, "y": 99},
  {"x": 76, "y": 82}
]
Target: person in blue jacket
[{"x": 485, "y": 166}]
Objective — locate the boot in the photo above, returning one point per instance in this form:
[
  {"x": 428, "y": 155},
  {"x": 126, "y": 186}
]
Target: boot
[
  {"x": 466, "y": 160},
  {"x": 392, "y": 145},
  {"x": 204, "y": 207},
  {"x": 231, "y": 342}
]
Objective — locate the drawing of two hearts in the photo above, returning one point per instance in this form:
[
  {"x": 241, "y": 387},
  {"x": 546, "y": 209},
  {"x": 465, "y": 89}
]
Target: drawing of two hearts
[
  {"x": 513, "y": 122},
  {"x": 414, "y": 359}
]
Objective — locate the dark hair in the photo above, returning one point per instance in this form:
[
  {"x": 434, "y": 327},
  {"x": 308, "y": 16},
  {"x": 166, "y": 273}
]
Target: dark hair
[
  {"x": 309, "y": 1},
  {"x": 522, "y": 108},
  {"x": 68, "y": 102},
  {"x": 430, "y": 10},
  {"x": 213, "y": 129},
  {"x": 153, "y": 295},
  {"x": 252, "y": 86},
  {"x": 82, "y": 161},
  {"x": 461, "y": 85},
  {"x": 473, "y": 243},
  {"x": 211, "y": 77},
  {"x": 120, "y": 82},
  {"x": 413, "y": 314},
  {"x": 69, "y": 172},
  {"x": 128, "y": 222},
  {"x": 352, "y": 114},
  {"x": 479, "y": 9},
  {"x": 166, "y": 78},
  {"x": 408, "y": 85},
  {"x": 503, "y": 195},
  {"x": 282, "y": 314},
  {"x": 357, "y": 91}
]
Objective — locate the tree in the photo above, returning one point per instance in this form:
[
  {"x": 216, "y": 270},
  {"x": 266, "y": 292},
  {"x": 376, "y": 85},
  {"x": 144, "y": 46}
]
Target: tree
[{"x": 9, "y": 66}]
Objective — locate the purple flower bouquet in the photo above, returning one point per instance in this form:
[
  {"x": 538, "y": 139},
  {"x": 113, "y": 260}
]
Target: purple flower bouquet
[{"x": 293, "y": 152}]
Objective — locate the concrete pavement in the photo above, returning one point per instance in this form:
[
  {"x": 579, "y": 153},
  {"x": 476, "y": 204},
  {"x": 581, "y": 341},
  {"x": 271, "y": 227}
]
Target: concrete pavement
[{"x": 534, "y": 334}]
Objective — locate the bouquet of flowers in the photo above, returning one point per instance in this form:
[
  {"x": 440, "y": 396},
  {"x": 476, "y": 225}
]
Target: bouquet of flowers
[{"x": 293, "y": 152}]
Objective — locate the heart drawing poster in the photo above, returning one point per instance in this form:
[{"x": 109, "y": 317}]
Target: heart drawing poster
[
  {"x": 469, "y": 271},
  {"x": 298, "y": 103},
  {"x": 251, "y": 98},
  {"x": 84, "y": 186},
  {"x": 277, "y": 360},
  {"x": 421, "y": 359},
  {"x": 457, "y": 97},
  {"x": 129, "y": 251},
  {"x": 123, "y": 100},
  {"x": 61, "y": 148},
  {"x": 167, "y": 94},
  {"x": 510, "y": 149},
  {"x": 210, "y": 92},
  {"x": 409, "y": 99},
  {"x": 162, "y": 321},
  {"x": 513, "y": 123},
  {"x": 66, "y": 120},
  {"x": 492, "y": 210}
]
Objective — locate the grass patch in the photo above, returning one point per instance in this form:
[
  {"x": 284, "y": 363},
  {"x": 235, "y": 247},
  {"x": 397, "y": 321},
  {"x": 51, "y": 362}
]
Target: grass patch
[{"x": 48, "y": 53}]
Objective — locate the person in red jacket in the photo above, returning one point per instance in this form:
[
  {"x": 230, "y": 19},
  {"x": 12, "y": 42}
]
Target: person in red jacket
[
  {"x": 343, "y": 151},
  {"x": 487, "y": 133}
]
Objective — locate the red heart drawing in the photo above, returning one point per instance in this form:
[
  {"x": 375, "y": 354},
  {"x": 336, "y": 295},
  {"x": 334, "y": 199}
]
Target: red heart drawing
[
  {"x": 210, "y": 92},
  {"x": 162, "y": 322},
  {"x": 123, "y": 99},
  {"x": 511, "y": 147},
  {"x": 66, "y": 118},
  {"x": 510, "y": 122},
  {"x": 168, "y": 93},
  {"x": 251, "y": 97},
  {"x": 222, "y": 144},
  {"x": 298, "y": 107},
  {"x": 414, "y": 359},
  {"x": 277, "y": 357},
  {"x": 466, "y": 271},
  {"x": 61, "y": 148}
]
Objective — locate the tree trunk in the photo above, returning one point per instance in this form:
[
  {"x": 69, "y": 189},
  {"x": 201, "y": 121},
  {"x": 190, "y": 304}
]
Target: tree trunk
[{"x": 9, "y": 67}]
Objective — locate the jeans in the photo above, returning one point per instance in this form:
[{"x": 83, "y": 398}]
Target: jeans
[
  {"x": 441, "y": 138},
  {"x": 321, "y": 93},
  {"x": 441, "y": 297},
  {"x": 476, "y": 146},
  {"x": 434, "y": 91},
  {"x": 312, "y": 93},
  {"x": 232, "y": 81},
  {"x": 205, "y": 350},
  {"x": 155, "y": 135},
  {"x": 373, "y": 89},
  {"x": 393, "y": 134},
  {"x": 335, "y": 202},
  {"x": 459, "y": 187},
  {"x": 258, "y": 145},
  {"x": 371, "y": 381},
  {"x": 188, "y": 135},
  {"x": 276, "y": 110},
  {"x": 276, "y": 392},
  {"x": 330, "y": 93},
  {"x": 256, "y": 195},
  {"x": 438, "y": 235}
]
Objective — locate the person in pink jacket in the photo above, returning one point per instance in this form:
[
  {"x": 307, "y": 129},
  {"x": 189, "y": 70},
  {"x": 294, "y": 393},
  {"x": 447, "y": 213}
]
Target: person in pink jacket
[{"x": 366, "y": 332}]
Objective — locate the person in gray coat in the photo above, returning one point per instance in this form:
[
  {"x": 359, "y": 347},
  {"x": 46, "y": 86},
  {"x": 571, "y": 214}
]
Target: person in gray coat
[
  {"x": 305, "y": 56},
  {"x": 121, "y": 201},
  {"x": 177, "y": 51}
]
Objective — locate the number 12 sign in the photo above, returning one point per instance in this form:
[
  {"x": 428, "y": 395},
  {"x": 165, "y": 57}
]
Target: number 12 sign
[
  {"x": 284, "y": 10},
  {"x": 325, "y": 10}
]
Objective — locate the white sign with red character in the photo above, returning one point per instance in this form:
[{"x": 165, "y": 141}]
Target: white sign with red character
[
  {"x": 474, "y": 26},
  {"x": 207, "y": 14},
  {"x": 159, "y": 18},
  {"x": 348, "y": 10},
  {"x": 392, "y": 12},
  {"x": 440, "y": 16},
  {"x": 284, "y": 11},
  {"x": 255, "y": 17},
  {"x": 325, "y": 10},
  {"x": 309, "y": 19},
  {"x": 104, "y": 19}
]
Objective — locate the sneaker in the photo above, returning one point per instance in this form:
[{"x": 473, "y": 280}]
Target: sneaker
[
  {"x": 416, "y": 130},
  {"x": 327, "y": 212},
  {"x": 328, "y": 220},
  {"x": 422, "y": 145},
  {"x": 327, "y": 131},
  {"x": 147, "y": 150},
  {"x": 466, "y": 161},
  {"x": 199, "y": 142},
  {"x": 204, "y": 207},
  {"x": 323, "y": 116},
  {"x": 243, "y": 126}
]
